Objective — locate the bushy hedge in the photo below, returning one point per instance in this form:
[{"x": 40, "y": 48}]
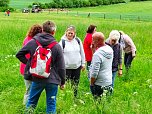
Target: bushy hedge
[
  {"x": 139, "y": 0},
  {"x": 76, "y": 3},
  {"x": 3, "y": 9}
]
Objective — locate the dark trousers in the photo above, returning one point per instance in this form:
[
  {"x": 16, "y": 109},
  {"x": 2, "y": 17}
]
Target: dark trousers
[
  {"x": 97, "y": 90},
  {"x": 74, "y": 76},
  {"x": 127, "y": 60},
  {"x": 88, "y": 65}
]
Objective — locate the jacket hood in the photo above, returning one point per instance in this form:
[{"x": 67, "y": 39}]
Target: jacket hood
[
  {"x": 44, "y": 38},
  {"x": 106, "y": 53}
]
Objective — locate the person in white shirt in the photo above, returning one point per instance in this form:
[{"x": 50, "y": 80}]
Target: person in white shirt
[{"x": 73, "y": 55}]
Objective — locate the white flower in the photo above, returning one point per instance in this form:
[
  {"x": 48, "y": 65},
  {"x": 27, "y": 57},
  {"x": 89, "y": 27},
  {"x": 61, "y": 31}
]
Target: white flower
[
  {"x": 150, "y": 86},
  {"x": 81, "y": 101},
  {"x": 87, "y": 93},
  {"x": 135, "y": 93},
  {"x": 148, "y": 81},
  {"x": 74, "y": 105}
]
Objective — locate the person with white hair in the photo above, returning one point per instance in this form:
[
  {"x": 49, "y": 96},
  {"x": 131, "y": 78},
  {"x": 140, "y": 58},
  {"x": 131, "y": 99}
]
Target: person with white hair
[
  {"x": 112, "y": 41},
  {"x": 129, "y": 48}
]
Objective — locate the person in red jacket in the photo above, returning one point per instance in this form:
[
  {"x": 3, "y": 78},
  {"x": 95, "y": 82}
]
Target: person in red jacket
[
  {"x": 87, "y": 44},
  {"x": 8, "y": 12},
  {"x": 35, "y": 29}
]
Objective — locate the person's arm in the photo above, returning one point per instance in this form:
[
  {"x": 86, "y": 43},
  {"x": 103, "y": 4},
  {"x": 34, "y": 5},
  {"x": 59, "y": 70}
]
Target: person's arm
[
  {"x": 133, "y": 47},
  {"x": 95, "y": 67},
  {"x": 120, "y": 61},
  {"x": 82, "y": 55},
  {"x": 60, "y": 65},
  {"x": 21, "y": 55},
  {"x": 92, "y": 81},
  {"x": 120, "y": 70}
]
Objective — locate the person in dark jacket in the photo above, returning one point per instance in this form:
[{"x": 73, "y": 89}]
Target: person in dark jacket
[
  {"x": 57, "y": 72},
  {"x": 112, "y": 41}
]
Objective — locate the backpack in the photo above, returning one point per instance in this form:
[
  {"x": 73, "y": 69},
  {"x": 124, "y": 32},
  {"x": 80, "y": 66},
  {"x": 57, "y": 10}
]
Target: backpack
[
  {"x": 41, "y": 60},
  {"x": 63, "y": 42}
]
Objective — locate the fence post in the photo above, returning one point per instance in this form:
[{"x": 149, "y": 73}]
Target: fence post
[
  {"x": 120, "y": 17},
  {"x": 67, "y": 12},
  {"x": 57, "y": 10},
  {"x": 138, "y": 18},
  {"x": 104, "y": 16},
  {"x": 88, "y": 15}
]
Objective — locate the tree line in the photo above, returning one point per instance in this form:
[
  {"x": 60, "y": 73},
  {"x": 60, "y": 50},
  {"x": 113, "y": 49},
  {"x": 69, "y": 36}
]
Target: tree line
[
  {"x": 4, "y": 5},
  {"x": 76, "y": 3}
]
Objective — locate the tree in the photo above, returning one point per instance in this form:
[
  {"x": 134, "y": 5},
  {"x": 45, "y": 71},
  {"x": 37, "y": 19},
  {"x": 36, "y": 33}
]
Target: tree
[{"x": 4, "y": 3}]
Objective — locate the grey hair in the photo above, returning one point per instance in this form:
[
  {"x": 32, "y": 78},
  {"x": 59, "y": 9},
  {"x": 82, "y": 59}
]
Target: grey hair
[
  {"x": 49, "y": 27},
  {"x": 71, "y": 27}
]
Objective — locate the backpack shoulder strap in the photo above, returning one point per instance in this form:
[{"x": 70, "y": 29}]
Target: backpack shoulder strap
[
  {"x": 78, "y": 40},
  {"x": 37, "y": 42},
  {"x": 63, "y": 43},
  {"x": 52, "y": 44}
]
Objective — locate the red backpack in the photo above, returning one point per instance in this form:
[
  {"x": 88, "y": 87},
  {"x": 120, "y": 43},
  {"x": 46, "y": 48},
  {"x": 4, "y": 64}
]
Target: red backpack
[{"x": 41, "y": 61}]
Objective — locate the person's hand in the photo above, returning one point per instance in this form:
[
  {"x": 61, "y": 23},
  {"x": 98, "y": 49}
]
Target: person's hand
[
  {"x": 120, "y": 72},
  {"x": 83, "y": 68},
  {"x": 62, "y": 87}
]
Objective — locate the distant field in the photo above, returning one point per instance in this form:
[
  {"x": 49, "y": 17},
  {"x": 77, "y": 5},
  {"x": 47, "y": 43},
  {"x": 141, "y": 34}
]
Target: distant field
[
  {"x": 127, "y": 11},
  {"x": 19, "y": 4},
  {"x": 130, "y": 7}
]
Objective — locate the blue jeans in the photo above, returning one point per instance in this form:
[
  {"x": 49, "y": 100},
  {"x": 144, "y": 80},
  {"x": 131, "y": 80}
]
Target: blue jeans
[
  {"x": 35, "y": 92},
  {"x": 113, "y": 77}
]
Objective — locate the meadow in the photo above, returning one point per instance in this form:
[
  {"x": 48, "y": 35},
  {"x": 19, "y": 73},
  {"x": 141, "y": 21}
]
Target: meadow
[{"x": 132, "y": 92}]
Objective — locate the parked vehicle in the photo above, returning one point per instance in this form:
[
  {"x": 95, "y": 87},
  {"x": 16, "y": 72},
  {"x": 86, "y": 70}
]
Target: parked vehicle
[
  {"x": 25, "y": 10},
  {"x": 36, "y": 9}
]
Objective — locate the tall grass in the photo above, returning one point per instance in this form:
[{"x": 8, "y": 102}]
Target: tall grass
[{"x": 132, "y": 92}]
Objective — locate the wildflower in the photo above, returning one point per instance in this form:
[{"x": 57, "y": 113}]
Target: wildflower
[
  {"x": 74, "y": 105},
  {"x": 150, "y": 86},
  {"x": 87, "y": 93},
  {"x": 148, "y": 81},
  {"x": 105, "y": 92},
  {"x": 81, "y": 101},
  {"x": 135, "y": 93}
]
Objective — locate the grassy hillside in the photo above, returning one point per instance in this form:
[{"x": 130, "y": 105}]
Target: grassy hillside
[
  {"x": 19, "y": 4},
  {"x": 130, "y": 7},
  {"x": 132, "y": 92}
]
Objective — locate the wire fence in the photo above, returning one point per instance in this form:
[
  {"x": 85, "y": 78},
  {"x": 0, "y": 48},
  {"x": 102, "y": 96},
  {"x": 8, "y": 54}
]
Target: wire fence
[{"x": 106, "y": 15}]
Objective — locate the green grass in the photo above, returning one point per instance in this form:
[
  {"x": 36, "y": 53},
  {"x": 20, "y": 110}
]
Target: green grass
[
  {"x": 130, "y": 10},
  {"x": 130, "y": 7},
  {"x": 132, "y": 92}
]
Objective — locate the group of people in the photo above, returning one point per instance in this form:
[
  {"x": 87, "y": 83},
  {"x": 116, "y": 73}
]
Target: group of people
[
  {"x": 7, "y": 12},
  {"x": 103, "y": 57},
  {"x": 104, "y": 62}
]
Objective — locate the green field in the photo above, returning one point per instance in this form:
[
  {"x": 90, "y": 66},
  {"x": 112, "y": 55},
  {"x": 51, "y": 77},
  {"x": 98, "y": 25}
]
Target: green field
[
  {"x": 20, "y": 4},
  {"x": 132, "y": 92}
]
